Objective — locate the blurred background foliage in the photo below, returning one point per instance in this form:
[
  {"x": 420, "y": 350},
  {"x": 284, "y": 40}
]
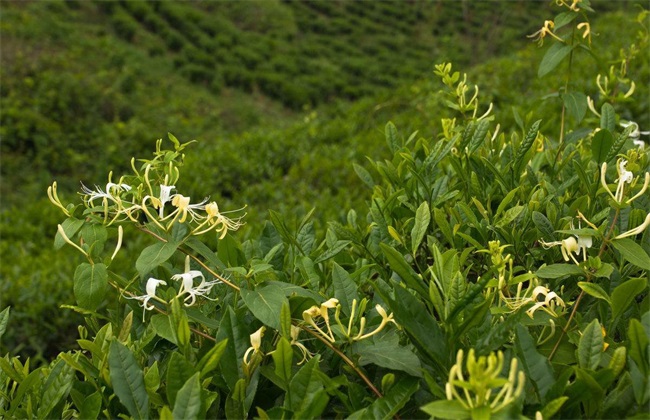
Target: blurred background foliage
[{"x": 282, "y": 96}]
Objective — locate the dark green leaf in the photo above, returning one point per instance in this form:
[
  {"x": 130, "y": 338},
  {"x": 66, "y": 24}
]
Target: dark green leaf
[
  {"x": 404, "y": 270},
  {"x": 590, "y": 346},
  {"x": 392, "y": 137},
  {"x": 332, "y": 251},
  {"x": 564, "y": 19},
  {"x": 526, "y": 144},
  {"x": 95, "y": 236},
  {"x": 345, "y": 289},
  {"x": 128, "y": 380},
  {"x": 544, "y": 226},
  {"x": 594, "y": 290},
  {"x": 608, "y": 118},
  {"x": 389, "y": 405},
  {"x": 188, "y": 399},
  {"x": 422, "y": 219},
  {"x": 265, "y": 303},
  {"x": 575, "y": 104},
  {"x": 555, "y": 271},
  {"x": 163, "y": 327},
  {"x": 154, "y": 255},
  {"x": 307, "y": 397},
  {"x": 537, "y": 367},
  {"x": 624, "y": 294},
  {"x": 385, "y": 351},
  {"x": 283, "y": 359},
  {"x": 211, "y": 359},
  {"x": 90, "y": 285},
  {"x": 633, "y": 252},
  {"x": 446, "y": 409},
  {"x": 601, "y": 144},
  {"x": 553, "y": 57},
  {"x": 4, "y": 320},
  {"x": 364, "y": 175},
  {"x": 179, "y": 370},
  {"x": 56, "y": 387},
  {"x": 479, "y": 135},
  {"x": 433, "y": 160},
  {"x": 233, "y": 329},
  {"x": 230, "y": 252},
  {"x": 638, "y": 344}
]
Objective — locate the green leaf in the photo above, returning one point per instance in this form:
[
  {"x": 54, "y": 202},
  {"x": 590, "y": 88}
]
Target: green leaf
[
  {"x": 163, "y": 327},
  {"x": 446, "y": 409},
  {"x": 154, "y": 255},
  {"x": 594, "y": 290},
  {"x": 389, "y": 405},
  {"x": 385, "y": 351},
  {"x": 632, "y": 252},
  {"x": 553, "y": 57},
  {"x": 422, "y": 219},
  {"x": 332, "y": 251},
  {"x": 95, "y": 236},
  {"x": 624, "y": 294},
  {"x": 283, "y": 359},
  {"x": 235, "y": 402},
  {"x": 56, "y": 387},
  {"x": 211, "y": 359},
  {"x": 564, "y": 19},
  {"x": 404, "y": 270},
  {"x": 266, "y": 304},
  {"x": 510, "y": 215},
  {"x": 229, "y": 251},
  {"x": 90, "y": 285},
  {"x": 555, "y": 271},
  {"x": 552, "y": 407},
  {"x": 91, "y": 406},
  {"x": 179, "y": 370},
  {"x": 608, "y": 118},
  {"x": 479, "y": 135},
  {"x": 638, "y": 344},
  {"x": 526, "y": 144},
  {"x": 188, "y": 399},
  {"x": 435, "y": 158},
  {"x": 575, "y": 104},
  {"x": 307, "y": 397},
  {"x": 4, "y": 320},
  {"x": 537, "y": 367},
  {"x": 621, "y": 138},
  {"x": 392, "y": 137},
  {"x": 70, "y": 226},
  {"x": 364, "y": 175},
  {"x": 345, "y": 289},
  {"x": 420, "y": 326},
  {"x": 127, "y": 380},
  {"x": 600, "y": 145},
  {"x": 590, "y": 347},
  {"x": 233, "y": 329},
  {"x": 544, "y": 226}
]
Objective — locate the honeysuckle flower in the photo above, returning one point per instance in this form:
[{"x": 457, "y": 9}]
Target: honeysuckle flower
[
  {"x": 587, "y": 30},
  {"x": 639, "y": 229},
  {"x": 183, "y": 208},
  {"x": 295, "y": 331},
  {"x": 385, "y": 319},
  {"x": 256, "y": 343},
  {"x": 548, "y": 305},
  {"x": 217, "y": 221},
  {"x": 568, "y": 246},
  {"x": 187, "y": 286},
  {"x": 484, "y": 375},
  {"x": 547, "y": 29},
  {"x": 624, "y": 177},
  {"x": 165, "y": 197},
  {"x": 69, "y": 241},
  {"x": 592, "y": 107},
  {"x": 54, "y": 198},
  {"x": 109, "y": 194},
  {"x": 636, "y": 133},
  {"x": 315, "y": 311},
  {"x": 150, "y": 288}
]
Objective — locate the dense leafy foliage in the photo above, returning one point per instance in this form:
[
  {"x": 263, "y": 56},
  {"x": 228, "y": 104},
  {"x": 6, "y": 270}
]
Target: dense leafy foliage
[{"x": 498, "y": 268}]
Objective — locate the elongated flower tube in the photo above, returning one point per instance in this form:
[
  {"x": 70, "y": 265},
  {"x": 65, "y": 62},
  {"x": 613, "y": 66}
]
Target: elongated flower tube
[
  {"x": 385, "y": 319},
  {"x": 295, "y": 331},
  {"x": 568, "y": 246},
  {"x": 624, "y": 177},
  {"x": 639, "y": 229},
  {"x": 217, "y": 221}
]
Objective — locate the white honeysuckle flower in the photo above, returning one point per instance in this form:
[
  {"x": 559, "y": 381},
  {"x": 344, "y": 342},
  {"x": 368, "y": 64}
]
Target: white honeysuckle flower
[
  {"x": 295, "y": 331},
  {"x": 636, "y": 133},
  {"x": 165, "y": 197},
  {"x": 551, "y": 300},
  {"x": 150, "y": 288},
  {"x": 385, "y": 319},
  {"x": 624, "y": 177},
  {"x": 187, "y": 286},
  {"x": 256, "y": 343},
  {"x": 101, "y": 194},
  {"x": 568, "y": 246}
]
